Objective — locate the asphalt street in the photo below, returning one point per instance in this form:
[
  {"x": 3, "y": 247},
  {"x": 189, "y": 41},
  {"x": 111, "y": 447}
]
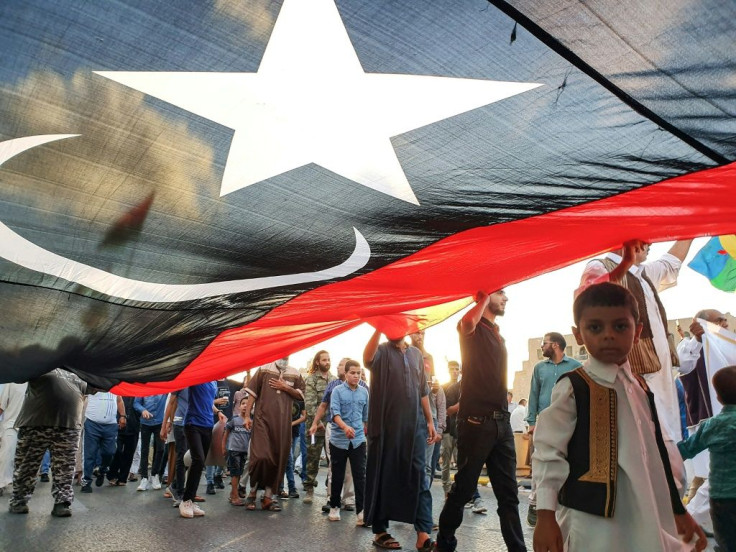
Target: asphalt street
[{"x": 120, "y": 519}]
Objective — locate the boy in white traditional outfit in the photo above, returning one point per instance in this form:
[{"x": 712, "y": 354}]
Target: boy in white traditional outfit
[{"x": 598, "y": 447}]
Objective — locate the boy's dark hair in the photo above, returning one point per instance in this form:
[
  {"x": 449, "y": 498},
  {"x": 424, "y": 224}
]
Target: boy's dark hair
[
  {"x": 605, "y": 294},
  {"x": 724, "y": 382},
  {"x": 350, "y": 364},
  {"x": 557, "y": 338}
]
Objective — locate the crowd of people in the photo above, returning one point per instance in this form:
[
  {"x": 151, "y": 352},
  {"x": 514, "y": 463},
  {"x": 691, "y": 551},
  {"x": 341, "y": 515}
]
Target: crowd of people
[{"x": 609, "y": 437}]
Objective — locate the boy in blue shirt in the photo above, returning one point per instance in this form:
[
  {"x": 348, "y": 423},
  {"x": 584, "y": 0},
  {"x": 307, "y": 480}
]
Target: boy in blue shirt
[
  {"x": 349, "y": 410},
  {"x": 717, "y": 434}
]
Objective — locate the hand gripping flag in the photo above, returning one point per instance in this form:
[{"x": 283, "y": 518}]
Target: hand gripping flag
[
  {"x": 191, "y": 189},
  {"x": 717, "y": 262}
]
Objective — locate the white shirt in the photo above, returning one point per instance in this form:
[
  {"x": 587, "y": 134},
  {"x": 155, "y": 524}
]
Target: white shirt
[
  {"x": 102, "y": 408},
  {"x": 11, "y": 401},
  {"x": 663, "y": 274},
  {"x": 643, "y": 518},
  {"x": 517, "y": 419}
]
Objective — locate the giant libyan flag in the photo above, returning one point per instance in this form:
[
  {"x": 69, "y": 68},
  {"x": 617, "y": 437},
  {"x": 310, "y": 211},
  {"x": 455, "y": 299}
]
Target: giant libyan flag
[{"x": 189, "y": 189}]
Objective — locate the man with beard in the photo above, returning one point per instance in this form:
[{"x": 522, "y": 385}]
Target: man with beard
[
  {"x": 696, "y": 382},
  {"x": 449, "y": 438},
  {"x": 273, "y": 390},
  {"x": 400, "y": 426},
  {"x": 484, "y": 433},
  {"x": 545, "y": 375},
  {"x": 316, "y": 383}
]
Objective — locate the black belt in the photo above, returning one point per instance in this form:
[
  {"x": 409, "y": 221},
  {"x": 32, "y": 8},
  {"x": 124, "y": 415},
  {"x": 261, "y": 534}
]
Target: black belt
[{"x": 495, "y": 415}]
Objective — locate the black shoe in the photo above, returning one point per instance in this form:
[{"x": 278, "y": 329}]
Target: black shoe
[
  {"x": 210, "y": 488},
  {"x": 87, "y": 487},
  {"x": 293, "y": 494},
  {"x": 100, "y": 479},
  {"x": 44, "y": 478},
  {"x": 61, "y": 509},
  {"x": 283, "y": 494},
  {"x": 241, "y": 491},
  {"x": 531, "y": 516},
  {"x": 349, "y": 507},
  {"x": 326, "y": 508},
  {"x": 18, "y": 508},
  {"x": 218, "y": 482}
]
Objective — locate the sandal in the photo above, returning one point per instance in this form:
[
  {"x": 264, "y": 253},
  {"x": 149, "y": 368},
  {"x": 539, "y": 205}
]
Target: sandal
[
  {"x": 236, "y": 502},
  {"x": 270, "y": 505},
  {"x": 428, "y": 546},
  {"x": 387, "y": 542},
  {"x": 250, "y": 503}
]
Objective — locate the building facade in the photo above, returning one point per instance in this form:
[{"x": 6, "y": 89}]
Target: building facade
[{"x": 523, "y": 378}]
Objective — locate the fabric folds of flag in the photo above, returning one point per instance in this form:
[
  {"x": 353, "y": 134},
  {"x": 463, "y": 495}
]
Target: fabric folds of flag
[
  {"x": 717, "y": 262},
  {"x": 192, "y": 189}
]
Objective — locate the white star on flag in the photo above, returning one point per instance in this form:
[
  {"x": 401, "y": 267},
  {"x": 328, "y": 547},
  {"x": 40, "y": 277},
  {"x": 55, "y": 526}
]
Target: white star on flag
[{"x": 311, "y": 102}]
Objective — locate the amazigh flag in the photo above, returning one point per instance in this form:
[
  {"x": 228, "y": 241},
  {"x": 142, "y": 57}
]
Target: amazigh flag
[
  {"x": 717, "y": 262},
  {"x": 190, "y": 189}
]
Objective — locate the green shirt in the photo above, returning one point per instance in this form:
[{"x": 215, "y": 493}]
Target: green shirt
[{"x": 718, "y": 435}]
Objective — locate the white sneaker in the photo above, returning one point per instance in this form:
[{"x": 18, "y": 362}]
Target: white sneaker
[
  {"x": 334, "y": 514},
  {"x": 186, "y": 509},
  {"x": 144, "y": 485},
  {"x": 156, "y": 483},
  {"x": 359, "y": 522},
  {"x": 479, "y": 507},
  {"x": 198, "y": 512}
]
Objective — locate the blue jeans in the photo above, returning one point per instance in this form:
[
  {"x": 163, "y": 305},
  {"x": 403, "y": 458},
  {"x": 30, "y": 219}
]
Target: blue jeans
[
  {"x": 99, "y": 440},
  {"x": 211, "y": 472},
  {"x": 290, "y": 466},
  {"x": 46, "y": 462},
  {"x": 302, "y": 449}
]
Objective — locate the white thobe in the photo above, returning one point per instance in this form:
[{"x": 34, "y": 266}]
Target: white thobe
[
  {"x": 11, "y": 401},
  {"x": 643, "y": 519}
]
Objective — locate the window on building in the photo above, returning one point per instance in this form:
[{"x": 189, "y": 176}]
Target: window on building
[{"x": 583, "y": 353}]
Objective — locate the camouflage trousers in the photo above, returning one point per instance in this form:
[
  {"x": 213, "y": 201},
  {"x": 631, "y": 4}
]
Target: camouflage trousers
[
  {"x": 314, "y": 451},
  {"x": 32, "y": 444}
]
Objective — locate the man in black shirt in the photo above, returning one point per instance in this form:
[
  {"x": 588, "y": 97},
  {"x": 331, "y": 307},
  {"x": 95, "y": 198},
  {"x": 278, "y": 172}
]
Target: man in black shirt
[{"x": 484, "y": 433}]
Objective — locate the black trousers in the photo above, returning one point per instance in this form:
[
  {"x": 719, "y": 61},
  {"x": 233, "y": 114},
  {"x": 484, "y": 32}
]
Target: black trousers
[
  {"x": 180, "y": 445},
  {"x": 491, "y": 443},
  {"x": 198, "y": 439},
  {"x": 157, "y": 467},
  {"x": 123, "y": 459},
  {"x": 723, "y": 514},
  {"x": 339, "y": 458}
]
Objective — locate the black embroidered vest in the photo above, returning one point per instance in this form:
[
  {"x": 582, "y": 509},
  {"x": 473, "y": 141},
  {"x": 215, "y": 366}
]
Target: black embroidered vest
[{"x": 593, "y": 449}]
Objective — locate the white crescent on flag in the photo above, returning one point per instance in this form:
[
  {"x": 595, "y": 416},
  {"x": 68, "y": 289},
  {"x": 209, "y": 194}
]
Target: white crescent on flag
[{"x": 19, "y": 250}]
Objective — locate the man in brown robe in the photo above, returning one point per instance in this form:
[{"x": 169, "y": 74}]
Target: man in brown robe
[{"x": 272, "y": 390}]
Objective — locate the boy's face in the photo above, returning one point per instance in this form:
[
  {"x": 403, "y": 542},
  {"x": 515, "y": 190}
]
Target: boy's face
[
  {"x": 352, "y": 376},
  {"x": 243, "y": 403},
  {"x": 607, "y": 332}
]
